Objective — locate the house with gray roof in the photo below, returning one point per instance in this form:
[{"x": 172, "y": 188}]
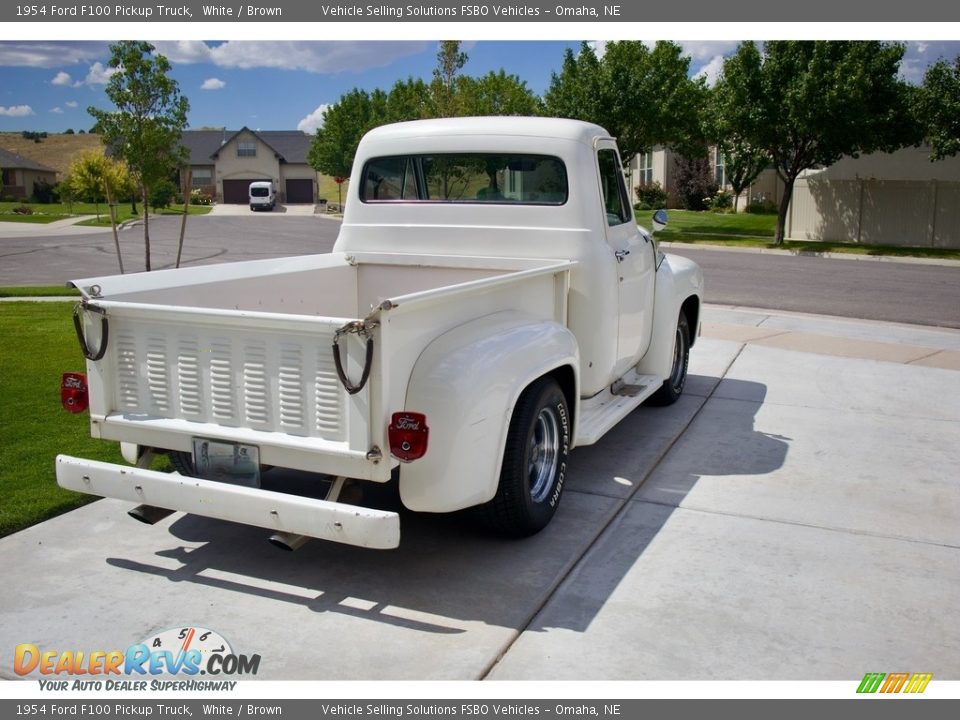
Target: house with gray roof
[
  {"x": 224, "y": 163},
  {"x": 20, "y": 174}
]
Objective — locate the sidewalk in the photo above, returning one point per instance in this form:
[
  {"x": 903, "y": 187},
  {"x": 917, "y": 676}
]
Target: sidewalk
[{"x": 67, "y": 226}]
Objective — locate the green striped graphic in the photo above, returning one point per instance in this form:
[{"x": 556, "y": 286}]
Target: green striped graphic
[{"x": 871, "y": 682}]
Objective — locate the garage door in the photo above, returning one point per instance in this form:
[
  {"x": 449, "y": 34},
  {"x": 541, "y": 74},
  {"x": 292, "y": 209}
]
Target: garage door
[
  {"x": 235, "y": 192},
  {"x": 299, "y": 191}
]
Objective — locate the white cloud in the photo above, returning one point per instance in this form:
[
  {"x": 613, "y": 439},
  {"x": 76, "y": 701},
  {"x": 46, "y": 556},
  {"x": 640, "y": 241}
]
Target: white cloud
[
  {"x": 71, "y": 103},
  {"x": 711, "y": 71},
  {"x": 57, "y": 110},
  {"x": 708, "y": 50},
  {"x": 16, "y": 111},
  {"x": 49, "y": 54},
  {"x": 213, "y": 84},
  {"x": 316, "y": 57},
  {"x": 314, "y": 121},
  {"x": 99, "y": 75},
  {"x": 62, "y": 78}
]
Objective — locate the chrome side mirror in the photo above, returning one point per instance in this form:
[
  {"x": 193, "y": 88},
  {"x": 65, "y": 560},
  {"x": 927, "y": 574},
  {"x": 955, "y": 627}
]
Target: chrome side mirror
[{"x": 660, "y": 220}]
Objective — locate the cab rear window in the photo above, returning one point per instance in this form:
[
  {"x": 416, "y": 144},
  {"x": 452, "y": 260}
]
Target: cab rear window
[{"x": 466, "y": 178}]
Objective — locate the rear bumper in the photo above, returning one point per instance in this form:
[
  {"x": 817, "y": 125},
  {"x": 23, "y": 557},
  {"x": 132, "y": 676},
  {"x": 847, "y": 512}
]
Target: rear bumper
[{"x": 278, "y": 512}]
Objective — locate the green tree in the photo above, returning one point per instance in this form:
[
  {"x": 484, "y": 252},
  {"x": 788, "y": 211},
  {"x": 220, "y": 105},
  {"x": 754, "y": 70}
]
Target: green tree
[
  {"x": 443, "y": 89},
  {"x": 146, "y": 127},
  {"x": 94, "y": 177},
  {"x": 807, "y": 104},
  {"x": 409, "y": 100},
  {"x": 939, "y": 108},
  {"x": 497, "y": 93},
  {"x": 743, "y": 161},
  {"x": 642, "y": 96}
]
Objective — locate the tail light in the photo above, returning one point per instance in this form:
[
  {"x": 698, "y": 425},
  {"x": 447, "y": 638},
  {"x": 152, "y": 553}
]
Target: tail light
[
  {"x": 408, "y": 435},
  {"x": 73, "y": 392}
]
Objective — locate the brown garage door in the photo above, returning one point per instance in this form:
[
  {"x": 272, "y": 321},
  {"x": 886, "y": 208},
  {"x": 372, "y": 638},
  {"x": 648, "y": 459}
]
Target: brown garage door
[
  {"x": 299, "y": 191},
  {"x": 236, "y": 192}
]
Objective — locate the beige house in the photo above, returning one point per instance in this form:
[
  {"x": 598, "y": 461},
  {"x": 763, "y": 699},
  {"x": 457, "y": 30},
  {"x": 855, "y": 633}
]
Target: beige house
[
  {"x": 660, "y": 166},
  {"x": 20, "y": 173},
  {"x": 224, "y": 163}
]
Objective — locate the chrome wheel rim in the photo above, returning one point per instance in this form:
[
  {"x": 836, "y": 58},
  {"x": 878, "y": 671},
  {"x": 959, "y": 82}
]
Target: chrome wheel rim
[{"x": 543, "y": 454}]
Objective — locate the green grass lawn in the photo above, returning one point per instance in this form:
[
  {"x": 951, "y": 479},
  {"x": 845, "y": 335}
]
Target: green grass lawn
[
  {"x": 39, "y": 344},
  {"x": 756, "y": 231},
  {"x": 60, "y": 211},
  {"x": 39, "y": 291}
]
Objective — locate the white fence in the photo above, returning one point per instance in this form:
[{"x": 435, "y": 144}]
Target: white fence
[{"x": 913, "y": 213}]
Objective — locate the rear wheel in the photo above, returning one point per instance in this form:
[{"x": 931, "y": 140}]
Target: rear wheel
[
  {"x": 672, "y": 387},
  {"x": 534, "y": 463}
]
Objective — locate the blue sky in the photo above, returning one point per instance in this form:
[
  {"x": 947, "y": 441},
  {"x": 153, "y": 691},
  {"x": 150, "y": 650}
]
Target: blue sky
[{"x": 277, "y": 85}]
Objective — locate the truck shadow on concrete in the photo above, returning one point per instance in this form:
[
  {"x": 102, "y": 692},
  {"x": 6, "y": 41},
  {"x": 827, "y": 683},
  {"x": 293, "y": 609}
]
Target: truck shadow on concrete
[{"x": 447, "y": 573}]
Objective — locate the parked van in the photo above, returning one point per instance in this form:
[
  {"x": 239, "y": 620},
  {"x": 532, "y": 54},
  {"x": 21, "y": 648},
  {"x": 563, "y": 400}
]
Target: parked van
[{"x": 263, "y": 194}]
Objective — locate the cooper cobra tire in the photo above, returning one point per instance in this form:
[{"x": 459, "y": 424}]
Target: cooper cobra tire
[{"x": 534, "y": 463}]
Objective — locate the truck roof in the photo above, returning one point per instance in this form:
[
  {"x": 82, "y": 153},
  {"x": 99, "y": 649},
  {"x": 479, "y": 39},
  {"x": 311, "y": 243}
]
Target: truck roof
[{"x": 543, "y": 127}]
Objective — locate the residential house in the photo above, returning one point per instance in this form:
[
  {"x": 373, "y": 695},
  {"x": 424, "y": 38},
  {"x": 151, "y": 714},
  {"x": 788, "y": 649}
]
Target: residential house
[
  {"x": 20, "y": 174},
  {"x": 224, "y": 163}
]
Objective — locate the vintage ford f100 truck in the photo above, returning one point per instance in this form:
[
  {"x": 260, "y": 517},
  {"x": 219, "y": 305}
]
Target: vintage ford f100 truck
[{"x": 490, "y": 304}]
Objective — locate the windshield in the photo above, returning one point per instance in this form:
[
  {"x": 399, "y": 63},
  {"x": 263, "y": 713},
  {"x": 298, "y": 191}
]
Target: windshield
[
  {"x": 259, "y": 191},
  {"x": 466, "y": 178}
]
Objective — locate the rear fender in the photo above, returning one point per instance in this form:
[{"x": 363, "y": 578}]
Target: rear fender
[{"x": 467, "y": 382}]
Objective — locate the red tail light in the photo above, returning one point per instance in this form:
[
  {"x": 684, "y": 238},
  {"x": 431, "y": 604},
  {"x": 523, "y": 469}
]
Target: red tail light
[
  {"x": 73, "y": 392},
  {"x": 408, "y": 435}
]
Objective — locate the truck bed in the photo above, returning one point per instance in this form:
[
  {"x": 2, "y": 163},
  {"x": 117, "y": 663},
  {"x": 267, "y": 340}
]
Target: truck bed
[{"x": 243, "y": 352}]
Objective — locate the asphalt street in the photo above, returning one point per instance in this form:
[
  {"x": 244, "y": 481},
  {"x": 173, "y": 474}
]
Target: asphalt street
[{"x": 897, "y": 291}]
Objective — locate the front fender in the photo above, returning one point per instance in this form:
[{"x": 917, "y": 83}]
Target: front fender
[
  {"x": 679, "y": 280},
  {"x": 467, "y": 382}
]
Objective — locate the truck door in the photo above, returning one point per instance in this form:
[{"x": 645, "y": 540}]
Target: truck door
[{"x": 633, "y": 259}]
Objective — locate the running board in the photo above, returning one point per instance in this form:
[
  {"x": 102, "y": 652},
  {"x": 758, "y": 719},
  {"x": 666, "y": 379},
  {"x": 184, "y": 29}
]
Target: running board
[{"x": 601, "y": 412}]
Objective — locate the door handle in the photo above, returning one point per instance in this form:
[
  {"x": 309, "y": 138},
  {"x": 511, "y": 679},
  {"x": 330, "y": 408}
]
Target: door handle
[{"x": 621, "y": 254}]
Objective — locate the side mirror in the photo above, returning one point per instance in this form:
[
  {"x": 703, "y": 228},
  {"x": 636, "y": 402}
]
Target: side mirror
[{"x": 660, "y": 220}]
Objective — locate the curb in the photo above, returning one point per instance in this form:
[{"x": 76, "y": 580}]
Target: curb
[{"x": 943, "y": 262}]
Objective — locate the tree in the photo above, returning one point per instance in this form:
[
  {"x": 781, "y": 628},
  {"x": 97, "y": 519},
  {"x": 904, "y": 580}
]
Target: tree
[
  {"x": 809, "y": 103},
  {"x": 642, "y": 96},
  {"x": 344, "y": 123},
  {"x": 939, "y": 108},
  {"x": 150, "y": 116},
  {"x": 94, "y": 177},
  {"x": 450, "y": 60},
  {"x": 743, "y": 161},
  {"x": 497, "y": 93}
]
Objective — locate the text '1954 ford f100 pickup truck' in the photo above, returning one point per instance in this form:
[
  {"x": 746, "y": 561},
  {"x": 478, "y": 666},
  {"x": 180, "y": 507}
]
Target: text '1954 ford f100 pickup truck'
[{"x": 490, "y": 304}]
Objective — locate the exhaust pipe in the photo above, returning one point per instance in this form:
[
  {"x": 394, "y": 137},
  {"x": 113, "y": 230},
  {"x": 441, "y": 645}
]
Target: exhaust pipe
[
  {"x": 149, "y": 514},
  {"x": 287, "y": 541}
]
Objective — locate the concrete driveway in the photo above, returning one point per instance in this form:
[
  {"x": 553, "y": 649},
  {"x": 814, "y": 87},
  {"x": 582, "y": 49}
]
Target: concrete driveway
[{"x": 795, "y": 516}]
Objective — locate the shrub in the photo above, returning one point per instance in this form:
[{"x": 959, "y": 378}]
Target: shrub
[
  {"x": 199, "y": 196},
  {"x": 652, "y": 196},
  {"x": 162, "y": 194},
  {"x": 22, "y": 210},
  {"x": 695, "y": 183},
  {"x": 44, "y": 193},
  {"x": 762, "y": 206},
  {"x": 722, "y": 201}
]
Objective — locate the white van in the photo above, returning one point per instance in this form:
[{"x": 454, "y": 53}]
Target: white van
[{"x": 263, "y": 194}]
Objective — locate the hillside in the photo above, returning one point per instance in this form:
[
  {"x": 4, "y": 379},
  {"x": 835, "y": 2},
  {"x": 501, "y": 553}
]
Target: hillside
[{"x": 56, "y": 151}]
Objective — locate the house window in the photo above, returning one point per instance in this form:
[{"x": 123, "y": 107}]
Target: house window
[
  {"x": 246, "y": 148},
  {"x": 719, "y": 170},
  {"x": 201, "y": 178},
  {"x": 645, "y": 164},
  {"x": 9, "y": 177}
]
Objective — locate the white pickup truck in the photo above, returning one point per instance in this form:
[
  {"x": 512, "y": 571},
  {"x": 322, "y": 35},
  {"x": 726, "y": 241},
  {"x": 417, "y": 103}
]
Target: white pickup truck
[{"x": 489, "y": 305}]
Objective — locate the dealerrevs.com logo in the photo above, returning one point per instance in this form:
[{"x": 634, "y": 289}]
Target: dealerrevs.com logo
[
  {"x": 184, "y": 651},
  {"x": 894, "y": 682}
]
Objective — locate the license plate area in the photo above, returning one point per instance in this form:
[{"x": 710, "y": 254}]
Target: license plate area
[{"x": 227, "y": 462}]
